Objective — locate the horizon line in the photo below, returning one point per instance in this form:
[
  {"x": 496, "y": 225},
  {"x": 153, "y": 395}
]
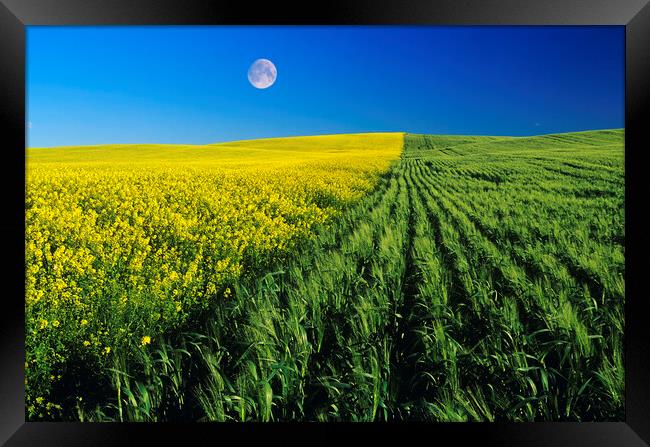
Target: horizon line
[{"x": 214, "y": 143}]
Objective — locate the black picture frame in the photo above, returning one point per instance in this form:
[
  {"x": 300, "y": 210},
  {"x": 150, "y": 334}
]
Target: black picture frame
[{"x": 634, "y": 15}]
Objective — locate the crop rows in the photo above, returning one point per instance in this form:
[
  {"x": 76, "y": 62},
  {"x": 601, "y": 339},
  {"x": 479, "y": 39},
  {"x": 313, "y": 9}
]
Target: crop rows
[
  {"x": 126, "y": 243},
  {"x": 481, "y": 280}
]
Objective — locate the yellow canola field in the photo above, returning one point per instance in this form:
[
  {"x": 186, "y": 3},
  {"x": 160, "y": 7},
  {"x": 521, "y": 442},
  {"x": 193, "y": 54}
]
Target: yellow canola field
[{"x": 124, "y": 242}]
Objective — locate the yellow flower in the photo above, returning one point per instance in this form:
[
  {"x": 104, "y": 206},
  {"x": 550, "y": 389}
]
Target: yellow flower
[{"x": 175, "y": 230}]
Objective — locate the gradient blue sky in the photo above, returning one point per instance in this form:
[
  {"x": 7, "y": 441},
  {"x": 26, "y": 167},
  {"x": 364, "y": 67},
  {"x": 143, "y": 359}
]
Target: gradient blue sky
[{"x": 101, "y": 85}]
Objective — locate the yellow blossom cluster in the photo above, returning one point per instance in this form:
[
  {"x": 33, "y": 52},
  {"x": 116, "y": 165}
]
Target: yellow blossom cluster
[{"x": 124, "y": 242}]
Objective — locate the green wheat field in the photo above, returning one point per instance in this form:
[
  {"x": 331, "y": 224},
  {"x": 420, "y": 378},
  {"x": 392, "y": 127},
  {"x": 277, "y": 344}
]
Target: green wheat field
[{"x": 368, "y": 277}]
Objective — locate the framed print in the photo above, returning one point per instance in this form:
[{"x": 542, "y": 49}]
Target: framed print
[{"x": 363, "y": 218}]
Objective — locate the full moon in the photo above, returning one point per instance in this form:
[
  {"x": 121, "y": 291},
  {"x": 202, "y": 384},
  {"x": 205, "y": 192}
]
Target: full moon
[{"x": 262, "y": 73}]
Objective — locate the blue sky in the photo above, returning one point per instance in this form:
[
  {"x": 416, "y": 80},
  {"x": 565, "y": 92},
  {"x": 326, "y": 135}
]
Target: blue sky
[{"x": 174, "y": 84}]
